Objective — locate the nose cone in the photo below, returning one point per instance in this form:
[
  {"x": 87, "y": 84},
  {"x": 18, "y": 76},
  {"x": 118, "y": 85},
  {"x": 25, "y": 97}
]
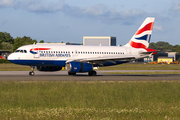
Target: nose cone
[{"x": 10, "y": 57}]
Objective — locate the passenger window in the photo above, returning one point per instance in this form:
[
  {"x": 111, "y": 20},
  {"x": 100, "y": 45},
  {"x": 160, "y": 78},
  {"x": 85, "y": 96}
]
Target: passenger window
[
  {"x": 21, "y": 51},
  {"x": 25, "y": 51}
]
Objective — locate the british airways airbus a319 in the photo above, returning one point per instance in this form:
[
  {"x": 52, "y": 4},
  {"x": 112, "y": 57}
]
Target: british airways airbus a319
[{"x": 79, "y": 59}]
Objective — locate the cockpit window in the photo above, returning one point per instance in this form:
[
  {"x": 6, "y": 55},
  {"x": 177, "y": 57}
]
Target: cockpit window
[
  {"x": 17, "y": 50},
  {"x": 20, "y": 51}
]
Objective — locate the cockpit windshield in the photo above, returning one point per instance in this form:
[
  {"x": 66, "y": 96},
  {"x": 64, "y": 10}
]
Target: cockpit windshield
[{"x": 20, "y": 51}]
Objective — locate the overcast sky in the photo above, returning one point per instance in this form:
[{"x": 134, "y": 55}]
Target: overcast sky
[{"x": 70, "y": 20}]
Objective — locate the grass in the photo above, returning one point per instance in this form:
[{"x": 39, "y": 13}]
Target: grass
[
  {"x": 143, "y": 67},
  {"x": 14, "y": 67},
  {"x": 142, "y": 73},
  {"x": 89, "y": 100}
]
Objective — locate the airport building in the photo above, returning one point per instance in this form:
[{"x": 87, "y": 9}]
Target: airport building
[
  {"x": 159, "y": 54},
  {"x": 99, "y": 40},
  {"x": 167, "y": 57},
  {"x": 4, "y": 54},
  {"x": 167, "y": 60}
]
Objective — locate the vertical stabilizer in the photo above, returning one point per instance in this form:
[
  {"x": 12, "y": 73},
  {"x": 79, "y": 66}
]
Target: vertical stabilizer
[{"x": 141, "y": 38}]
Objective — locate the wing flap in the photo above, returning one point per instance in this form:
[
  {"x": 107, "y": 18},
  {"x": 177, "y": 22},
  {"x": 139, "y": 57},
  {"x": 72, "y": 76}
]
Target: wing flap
[{"x": 101, "y": 60}]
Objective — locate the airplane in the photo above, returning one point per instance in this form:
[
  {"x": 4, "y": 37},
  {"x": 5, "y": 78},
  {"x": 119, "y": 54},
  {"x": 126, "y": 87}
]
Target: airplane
[{"x": 81, "y": 58}]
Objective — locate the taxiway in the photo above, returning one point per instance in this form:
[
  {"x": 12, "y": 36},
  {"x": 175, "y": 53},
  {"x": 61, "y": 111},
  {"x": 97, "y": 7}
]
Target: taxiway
[{"x": 101, "y": 76}]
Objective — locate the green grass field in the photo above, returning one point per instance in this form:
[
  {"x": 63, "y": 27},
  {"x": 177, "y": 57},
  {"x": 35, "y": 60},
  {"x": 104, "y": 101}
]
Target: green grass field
[
  {"x": 142, "y": 73},
  {"x": 22, "y": 100},
  {"x": 89, "y": 100},
  {"x": 143, "y": 67}
]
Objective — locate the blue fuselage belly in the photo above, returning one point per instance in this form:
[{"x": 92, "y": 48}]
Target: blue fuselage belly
[
  {"x": 39, "y": 62},
  {"x": 55, "y": 63}
]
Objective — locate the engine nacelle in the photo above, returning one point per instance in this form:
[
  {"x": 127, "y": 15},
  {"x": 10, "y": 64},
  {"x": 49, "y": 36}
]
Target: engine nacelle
[
  {"x": 48, "y": 68},
  {"x": 79, "y": 67}
]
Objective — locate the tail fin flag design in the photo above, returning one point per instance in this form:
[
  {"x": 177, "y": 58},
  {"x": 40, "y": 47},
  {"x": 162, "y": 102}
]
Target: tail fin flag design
[{"x": 141, "y": 38}]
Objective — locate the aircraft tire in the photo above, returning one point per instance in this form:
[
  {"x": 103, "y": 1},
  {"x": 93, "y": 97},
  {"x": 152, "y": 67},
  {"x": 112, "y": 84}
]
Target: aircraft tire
[
  {"x": 31, "y": 73},
  {"x": 71, "y": 73},
  {"x": 92, "y": 73}
]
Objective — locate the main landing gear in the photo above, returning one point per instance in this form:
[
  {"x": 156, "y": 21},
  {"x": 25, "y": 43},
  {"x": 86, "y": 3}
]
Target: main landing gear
[
  {"x": 32, "y": 71},
  {"x": 71, "y": 73},
  {"x": 92, "y": 73}
]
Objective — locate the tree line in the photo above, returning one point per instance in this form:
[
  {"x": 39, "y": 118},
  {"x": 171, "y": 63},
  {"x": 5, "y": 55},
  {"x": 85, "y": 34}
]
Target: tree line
[
  {"x": 164, "y": 47},
  {"x": 7, "y": 42}
]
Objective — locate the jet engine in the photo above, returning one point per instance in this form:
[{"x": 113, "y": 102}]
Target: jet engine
[{"x": 74, "y": 67}]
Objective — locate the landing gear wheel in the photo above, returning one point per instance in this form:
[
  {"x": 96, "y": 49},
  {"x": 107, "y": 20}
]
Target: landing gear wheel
[
  {"x": 71, "y": 73},
  {"x": 31, "y": 73},
  {"x": 92, "y": 73}
]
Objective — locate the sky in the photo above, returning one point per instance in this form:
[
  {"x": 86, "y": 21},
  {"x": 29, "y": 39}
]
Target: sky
[{"x": 70, "y": 20}]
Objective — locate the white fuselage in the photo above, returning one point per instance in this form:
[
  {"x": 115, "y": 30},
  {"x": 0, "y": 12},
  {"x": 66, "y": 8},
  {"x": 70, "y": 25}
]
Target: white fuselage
[{"x": 59, "y": 54}]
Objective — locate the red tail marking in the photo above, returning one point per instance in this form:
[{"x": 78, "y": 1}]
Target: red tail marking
[
  {"x": 137, "y": 45},
  {"x": 145, "y": 28}
]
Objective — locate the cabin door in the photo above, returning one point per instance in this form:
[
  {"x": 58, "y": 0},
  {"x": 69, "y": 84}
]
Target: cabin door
[
  {"x": 128, "y": 51},
  {"x": 36, "y": 52}
]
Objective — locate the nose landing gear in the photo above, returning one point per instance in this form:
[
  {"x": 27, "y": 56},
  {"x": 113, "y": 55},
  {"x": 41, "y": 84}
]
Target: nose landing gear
[{"x": 32, "y": 71}]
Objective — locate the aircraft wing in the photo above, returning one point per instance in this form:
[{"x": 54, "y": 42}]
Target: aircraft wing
[{"x": 100, "y": 60}]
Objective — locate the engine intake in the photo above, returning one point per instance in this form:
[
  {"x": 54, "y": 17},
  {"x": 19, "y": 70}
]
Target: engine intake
[
  {"x": 48, "y": 68},
  {"x": 79, "y": 67}
]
